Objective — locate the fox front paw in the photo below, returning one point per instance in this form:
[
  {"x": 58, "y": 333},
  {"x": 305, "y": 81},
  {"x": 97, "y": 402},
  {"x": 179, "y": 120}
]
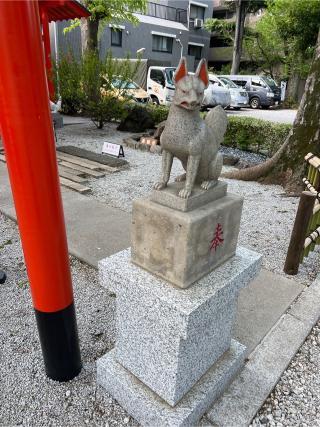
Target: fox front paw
[
  {"x": 184, "y": 193},
  {"x": 180, "y": 178},
  {"x": 159, "y": 185},
  {"x": 208, "y": 184}
]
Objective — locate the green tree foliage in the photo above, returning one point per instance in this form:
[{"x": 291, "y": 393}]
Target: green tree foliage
[
  {"x": 69, "y": 83},
  {"x": 287, "y": 34},
  {"x": 102, "y": 13},
  {"x": 235, "y": 31},
  {"x": 87, "y": 86}
]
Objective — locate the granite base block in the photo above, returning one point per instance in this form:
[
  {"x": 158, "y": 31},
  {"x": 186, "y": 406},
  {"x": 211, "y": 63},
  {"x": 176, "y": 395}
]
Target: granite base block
[
  {"x": 181, "y": 247},
  {"x": 149, "y": 409},
  {"x": 169, "y": 337}
]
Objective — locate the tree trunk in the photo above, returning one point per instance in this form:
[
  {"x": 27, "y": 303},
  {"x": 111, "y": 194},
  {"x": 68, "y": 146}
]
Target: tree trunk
[
  {"x": 287, "y": 166},
  {"x": 237, "y": 46},
  {"x": 89, "y": 34}
]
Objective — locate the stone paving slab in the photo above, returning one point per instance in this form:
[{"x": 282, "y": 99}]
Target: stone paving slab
[{"x": 261, "y": 304}]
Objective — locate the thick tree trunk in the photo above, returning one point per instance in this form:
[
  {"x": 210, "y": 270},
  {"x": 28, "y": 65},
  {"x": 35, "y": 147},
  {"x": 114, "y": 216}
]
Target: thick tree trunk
[
  {"x": 287, "y": 166},
  {"x": 237, "y": 46},
  {"x": 89, "y": 34}
]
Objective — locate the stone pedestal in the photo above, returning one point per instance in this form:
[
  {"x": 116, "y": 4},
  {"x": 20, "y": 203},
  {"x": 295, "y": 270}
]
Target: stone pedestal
[
  {"x": 174, "y": 354},
  {"x": 182, "y": 240}
]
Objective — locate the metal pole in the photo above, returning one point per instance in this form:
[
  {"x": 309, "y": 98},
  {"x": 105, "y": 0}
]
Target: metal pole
[
  {"x": 28, "y": 139},
  {"x": 299, "y": 232}
]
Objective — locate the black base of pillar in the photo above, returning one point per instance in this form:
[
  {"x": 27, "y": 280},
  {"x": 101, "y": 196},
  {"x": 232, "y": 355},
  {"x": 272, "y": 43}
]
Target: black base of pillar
[
  {"x": 3, "y": 277},
  {"x": 59, "y": 343}
]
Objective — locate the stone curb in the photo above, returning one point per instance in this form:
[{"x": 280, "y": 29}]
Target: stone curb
[{"x": 240, "y": 403}]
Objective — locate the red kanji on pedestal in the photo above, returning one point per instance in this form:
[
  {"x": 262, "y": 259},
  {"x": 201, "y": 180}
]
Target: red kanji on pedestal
[{"x": 217, "y": 238}]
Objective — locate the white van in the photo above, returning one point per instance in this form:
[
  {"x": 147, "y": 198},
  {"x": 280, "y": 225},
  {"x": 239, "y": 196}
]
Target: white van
[{"x": 160, "y": 86}]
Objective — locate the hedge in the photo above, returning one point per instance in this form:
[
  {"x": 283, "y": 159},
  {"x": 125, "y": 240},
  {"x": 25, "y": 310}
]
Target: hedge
[
  {"x": 246, "y": 133},
  {"x": 256, "y": 135}
]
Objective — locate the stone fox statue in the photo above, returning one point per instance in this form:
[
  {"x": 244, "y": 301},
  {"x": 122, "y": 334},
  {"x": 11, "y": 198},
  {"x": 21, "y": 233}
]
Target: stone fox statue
[{"x": 195, "y": 142}]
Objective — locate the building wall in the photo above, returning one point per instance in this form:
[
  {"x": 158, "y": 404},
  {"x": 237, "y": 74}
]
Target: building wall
[{"x": 136, "y": 37}]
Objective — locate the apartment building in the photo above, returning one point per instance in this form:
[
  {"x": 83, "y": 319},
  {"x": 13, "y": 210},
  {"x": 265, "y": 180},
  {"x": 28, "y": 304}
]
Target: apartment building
[
  {"x": 220, "y": 50},
  {"x": 168, "y": 30}
]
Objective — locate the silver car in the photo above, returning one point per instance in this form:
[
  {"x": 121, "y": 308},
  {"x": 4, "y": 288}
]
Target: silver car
[
  {"x": 239, "y": 96},
  {"x": 216, "y": 94}
]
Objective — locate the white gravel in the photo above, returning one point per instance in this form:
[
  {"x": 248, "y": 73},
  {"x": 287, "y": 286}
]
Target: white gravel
[
  {"x": 28, "y": 398},
  {"x": 295, "y": 400}
]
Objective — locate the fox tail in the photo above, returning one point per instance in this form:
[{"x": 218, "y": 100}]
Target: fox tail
[{"x": 217, "y": 121}]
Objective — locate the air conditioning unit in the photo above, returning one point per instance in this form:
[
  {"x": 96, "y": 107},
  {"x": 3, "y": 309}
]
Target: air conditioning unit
[{"x": 198, "y": 23}]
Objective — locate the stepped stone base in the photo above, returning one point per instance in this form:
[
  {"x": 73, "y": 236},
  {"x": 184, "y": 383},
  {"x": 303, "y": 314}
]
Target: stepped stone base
[
  {"x": 167, "y": 337},
  {"x": 149, "y": 409}
]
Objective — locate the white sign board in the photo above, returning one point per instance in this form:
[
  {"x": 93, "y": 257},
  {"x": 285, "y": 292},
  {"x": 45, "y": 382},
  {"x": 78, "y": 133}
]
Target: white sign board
[{"x": 112, "y": 149}]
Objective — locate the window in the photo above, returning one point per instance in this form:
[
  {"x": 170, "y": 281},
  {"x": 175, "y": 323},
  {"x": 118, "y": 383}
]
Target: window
[
  {"x": 196, "y": 12},
  {"x": 219, "y": 42},
  {"x": 222, "y": 14},
  {"x": 161, "y": 44},
  {"x": 116, "y": 37},
  {"x": 258, "y": 82},
  {"x": 241, "y": 83},
  {"x": 195, "y": 51},
  {"x": 157, "y": 76}
]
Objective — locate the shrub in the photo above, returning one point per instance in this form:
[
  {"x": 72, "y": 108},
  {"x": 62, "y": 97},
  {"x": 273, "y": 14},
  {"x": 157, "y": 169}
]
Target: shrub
[
  {"x": 256, "y": 135},
  {"x": 69, "y": 83},
  {"x": 88, "y": 86},
  {"x": 159, "y": 113}
]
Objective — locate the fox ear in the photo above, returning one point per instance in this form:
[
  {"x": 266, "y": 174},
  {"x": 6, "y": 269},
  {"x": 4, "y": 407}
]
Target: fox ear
[
  {"x": 202, "y": 72},
  {"x": 181, "y": 71}
]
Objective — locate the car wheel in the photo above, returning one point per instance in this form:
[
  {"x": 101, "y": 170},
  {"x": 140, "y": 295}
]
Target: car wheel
[
  {"x": 155, "y": 100},
  {"x": 254, "y": 103}
]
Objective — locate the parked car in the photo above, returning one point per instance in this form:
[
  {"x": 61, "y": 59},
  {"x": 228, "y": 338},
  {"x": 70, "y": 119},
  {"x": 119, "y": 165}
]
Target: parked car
[
  {"x": 120, "y": 87},
  {"x": 216, "y": 94},
  {"x": 262, "y": 90},
  {"x": 239, "y": 96}
]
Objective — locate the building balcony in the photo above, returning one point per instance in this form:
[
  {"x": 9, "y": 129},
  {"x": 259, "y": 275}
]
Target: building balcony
[{"x": 157, "y": 10}]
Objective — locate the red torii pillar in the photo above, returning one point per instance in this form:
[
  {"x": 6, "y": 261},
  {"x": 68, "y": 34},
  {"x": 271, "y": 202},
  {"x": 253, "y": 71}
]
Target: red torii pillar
[
  {"x": 28, "y": 140},
  {"x": 47, "y": 52}
]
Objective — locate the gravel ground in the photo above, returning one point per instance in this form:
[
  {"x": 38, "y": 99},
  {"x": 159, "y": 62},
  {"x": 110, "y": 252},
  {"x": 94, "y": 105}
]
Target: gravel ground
[
  {"x": 28, "y": 398},
  {"x": 268, "y": 214},
  {"x": 295, "y": 400}
]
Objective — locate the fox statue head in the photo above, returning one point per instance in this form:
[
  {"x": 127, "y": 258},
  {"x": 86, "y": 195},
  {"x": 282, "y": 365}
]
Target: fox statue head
[{"x": 190, "y": 88}]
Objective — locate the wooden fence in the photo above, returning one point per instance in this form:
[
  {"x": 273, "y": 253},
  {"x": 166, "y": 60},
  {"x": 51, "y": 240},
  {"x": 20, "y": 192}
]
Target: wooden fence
[{"x": 306, "y": 229}]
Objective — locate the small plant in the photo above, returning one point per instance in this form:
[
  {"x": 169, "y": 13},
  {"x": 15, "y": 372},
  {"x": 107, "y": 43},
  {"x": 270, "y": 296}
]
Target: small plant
[{"x": 7, "y": 242}]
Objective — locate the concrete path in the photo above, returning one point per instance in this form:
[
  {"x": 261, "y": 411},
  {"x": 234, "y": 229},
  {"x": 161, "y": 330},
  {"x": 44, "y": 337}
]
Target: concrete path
[
  {"x": 94, "y": 230},
  {"x": 272, "y": 115}
]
